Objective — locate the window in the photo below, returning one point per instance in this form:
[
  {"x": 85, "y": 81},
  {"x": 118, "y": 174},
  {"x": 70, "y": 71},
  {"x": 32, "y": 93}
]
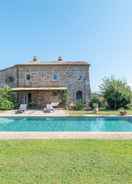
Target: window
[
  {"x": 55, "y": 76},
  {"x": 10, "y": 79},
  {"x": 28, "y": 77},
  {"x": 29, "y": 98}
]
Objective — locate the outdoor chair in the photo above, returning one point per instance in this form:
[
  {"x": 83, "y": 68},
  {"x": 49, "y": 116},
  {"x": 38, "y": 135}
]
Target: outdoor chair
[
  {"x": 22, "y": 108},
  {"x": 55, "y": 104},
  {"x": 49, "y": 108}
]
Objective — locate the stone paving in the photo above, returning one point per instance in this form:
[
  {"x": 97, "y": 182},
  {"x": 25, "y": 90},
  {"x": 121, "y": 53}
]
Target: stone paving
[
  {"x": 33, "y": 113},
  {"x": 66, "y": 135}
]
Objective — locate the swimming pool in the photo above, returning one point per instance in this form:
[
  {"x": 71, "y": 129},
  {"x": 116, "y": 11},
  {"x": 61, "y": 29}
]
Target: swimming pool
[{"x": 47, "y": 124}]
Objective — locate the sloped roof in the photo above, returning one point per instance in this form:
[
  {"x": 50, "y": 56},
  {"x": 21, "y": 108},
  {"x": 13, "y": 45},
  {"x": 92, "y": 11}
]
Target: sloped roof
[
  {"x": 71, "y": 62},
  {"x": 39, "y": 88},
  {"x": 60, "y": 61},
  {"x": 57, "y": 63},
  {"x": 35, "y": 61}
]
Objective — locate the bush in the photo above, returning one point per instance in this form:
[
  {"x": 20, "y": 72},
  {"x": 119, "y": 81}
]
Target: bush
[
  {"x": 5, "y": 104},
  {"x": 116, "y": 93},
  {"x": 97, "y": 99},
  {"x": 79, "y": 106},
  {"x": 129, "y": 106},
  {"x": 7, "y": 100}
]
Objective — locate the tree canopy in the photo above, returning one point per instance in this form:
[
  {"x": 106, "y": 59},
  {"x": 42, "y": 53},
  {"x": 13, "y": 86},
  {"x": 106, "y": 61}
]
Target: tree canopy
[{"x": 116, "y": 92}]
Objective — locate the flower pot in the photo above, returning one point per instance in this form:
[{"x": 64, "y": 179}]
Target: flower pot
[{"x": 123, "y": 113}]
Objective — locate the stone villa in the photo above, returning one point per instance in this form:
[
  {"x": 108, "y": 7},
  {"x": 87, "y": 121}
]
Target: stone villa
[{"x": 39, "y": 83}]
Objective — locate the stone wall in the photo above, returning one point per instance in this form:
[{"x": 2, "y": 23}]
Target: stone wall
[
  {"x": 39, "y": 99},
  {"x": 42, "y": 98},
  {"x": 74, "y": 77},
  {"x": 8, "y": 77}
]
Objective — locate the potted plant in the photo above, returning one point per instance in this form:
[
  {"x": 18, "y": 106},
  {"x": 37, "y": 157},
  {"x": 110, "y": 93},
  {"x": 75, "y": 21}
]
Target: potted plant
[{"x": 123, "y": 112}]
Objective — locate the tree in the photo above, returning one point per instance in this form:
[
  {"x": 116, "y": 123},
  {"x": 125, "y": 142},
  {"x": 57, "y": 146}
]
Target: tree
[
  {"x": 116, "y": 93},
  {"x": 7, "y": 101}
]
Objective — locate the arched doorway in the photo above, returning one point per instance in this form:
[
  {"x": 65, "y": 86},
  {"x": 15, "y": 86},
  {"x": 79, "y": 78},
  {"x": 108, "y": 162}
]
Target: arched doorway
[{"x": 79, "y": 95}]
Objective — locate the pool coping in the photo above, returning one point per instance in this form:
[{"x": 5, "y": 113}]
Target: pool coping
[
  {"x": 65, "y": 135},
  {"x": 62, "y": 115}
]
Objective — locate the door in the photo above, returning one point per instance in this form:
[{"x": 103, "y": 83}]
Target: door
[
  {"x": 24, "y": 99},
  {"x": 79, "y": 96}
]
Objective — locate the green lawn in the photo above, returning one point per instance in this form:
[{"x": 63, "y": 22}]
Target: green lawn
[{"x": 66, "y": 162}]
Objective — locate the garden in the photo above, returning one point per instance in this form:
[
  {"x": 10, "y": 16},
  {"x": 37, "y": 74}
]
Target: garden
[
  {"x": 65, "y": 162},
  {"x": 114, "y": 98}
]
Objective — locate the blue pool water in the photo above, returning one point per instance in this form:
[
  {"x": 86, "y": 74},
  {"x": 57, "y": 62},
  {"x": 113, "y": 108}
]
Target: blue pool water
[{"x": 66, "y": 124}]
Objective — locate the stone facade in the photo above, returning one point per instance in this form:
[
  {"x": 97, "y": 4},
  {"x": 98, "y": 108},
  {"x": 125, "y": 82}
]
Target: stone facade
[
  {"x": 5, "y": 77},
  {"x": 72, "y": 75}
]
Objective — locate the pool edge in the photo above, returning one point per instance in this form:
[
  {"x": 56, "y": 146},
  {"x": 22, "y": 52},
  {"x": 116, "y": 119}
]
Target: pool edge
[{"x": 65, "y": 135}]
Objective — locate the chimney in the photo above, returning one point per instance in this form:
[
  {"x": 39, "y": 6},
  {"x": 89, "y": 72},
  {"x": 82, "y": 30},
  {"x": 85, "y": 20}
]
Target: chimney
[
  {"x": 60, "y": 58},
  {"x": 34, "y": 58}
]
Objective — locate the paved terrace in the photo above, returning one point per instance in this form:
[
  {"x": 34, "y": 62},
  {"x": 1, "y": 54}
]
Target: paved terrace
[{"x": 33, "y": 113}]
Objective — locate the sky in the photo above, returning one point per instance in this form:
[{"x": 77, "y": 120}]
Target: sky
[{"x": 98, "y": 31}]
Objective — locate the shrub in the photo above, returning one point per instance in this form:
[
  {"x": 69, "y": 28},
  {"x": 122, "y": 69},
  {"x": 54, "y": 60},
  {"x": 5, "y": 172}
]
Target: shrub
[
  {"x": 79, "y": 106},
  {"x": 116, "y": 93},
  {"x": 97, "y": 99},
  {"x": 7, "y": 100},
  {"x": 5, "y": 104}
]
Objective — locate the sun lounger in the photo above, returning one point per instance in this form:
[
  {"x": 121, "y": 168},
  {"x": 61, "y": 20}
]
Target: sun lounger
[
  {"x": 49, "y": 108},
  {"x": 55, "y": 104},
  {"x": 22, "y": 108}
]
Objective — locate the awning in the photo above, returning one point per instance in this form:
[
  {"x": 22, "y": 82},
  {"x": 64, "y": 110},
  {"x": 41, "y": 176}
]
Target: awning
[{"x": 40, "y": 89}]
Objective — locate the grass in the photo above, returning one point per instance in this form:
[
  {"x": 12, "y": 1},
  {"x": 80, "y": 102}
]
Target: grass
[
  {"x": 65, "y": 162},
  {"x": 101, "y": 112}
]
